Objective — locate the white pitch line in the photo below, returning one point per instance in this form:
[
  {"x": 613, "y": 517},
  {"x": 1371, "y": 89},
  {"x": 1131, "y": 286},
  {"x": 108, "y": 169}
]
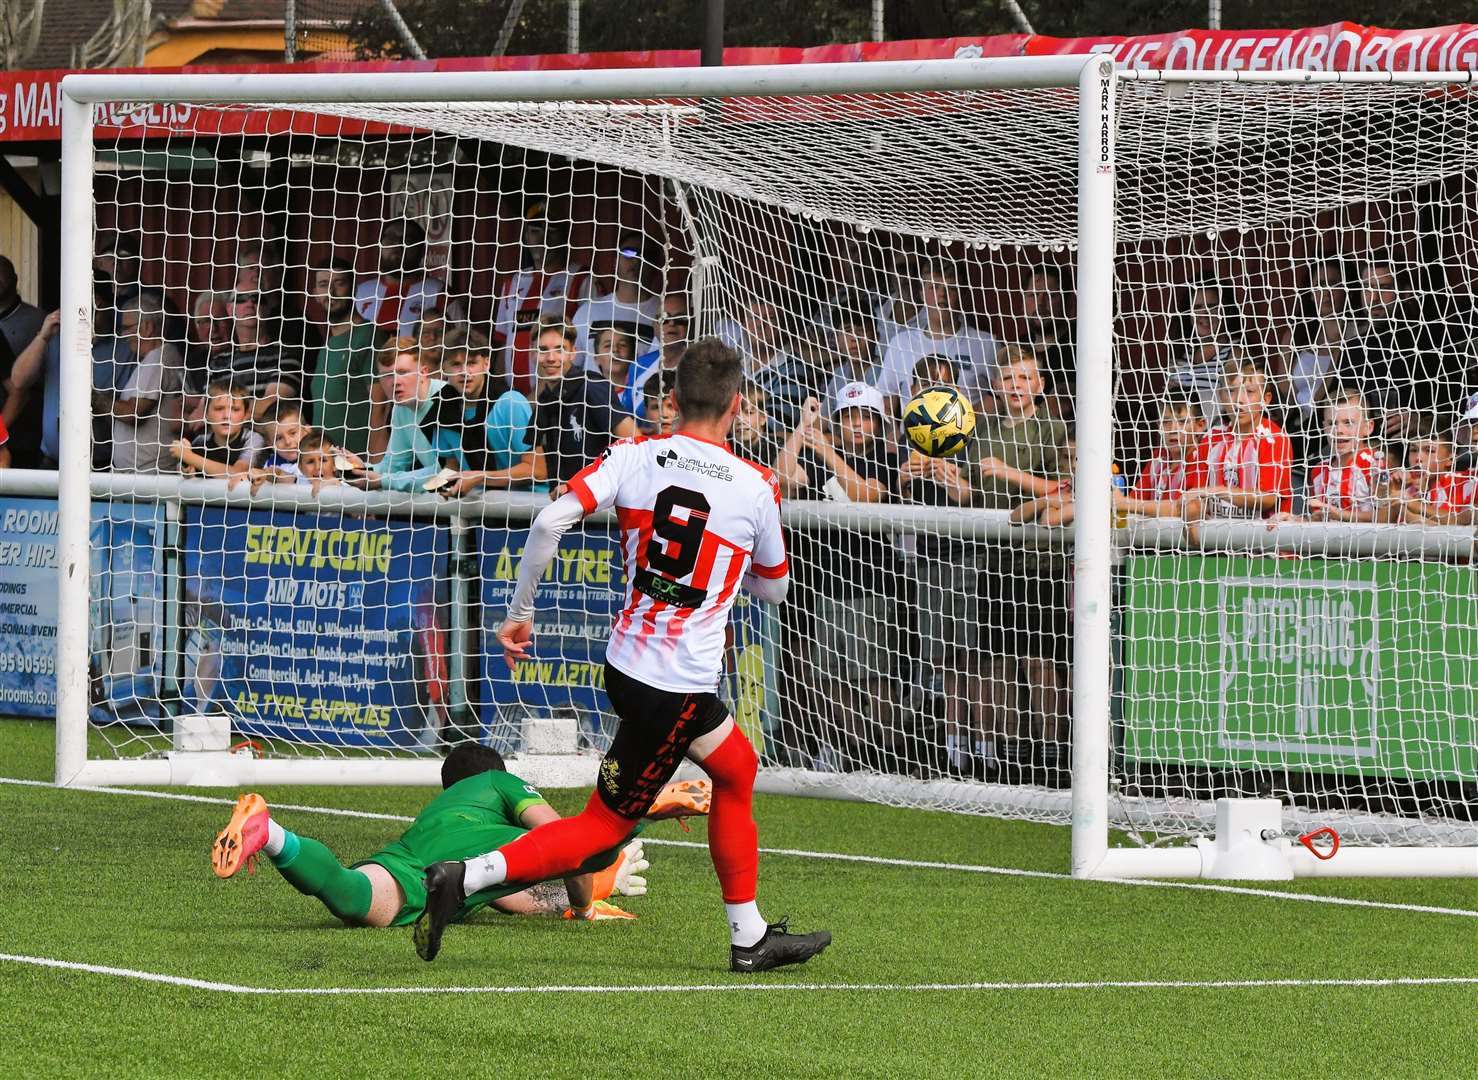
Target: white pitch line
[
  {"x": 834, "y": 856},
  {"x": 736, "y": 987}
]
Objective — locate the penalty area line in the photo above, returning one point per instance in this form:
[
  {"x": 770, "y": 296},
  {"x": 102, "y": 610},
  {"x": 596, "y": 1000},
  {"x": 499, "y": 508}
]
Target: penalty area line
[
  {"x": 832, "y": 856},
  {"x": 733, "y": 987}
]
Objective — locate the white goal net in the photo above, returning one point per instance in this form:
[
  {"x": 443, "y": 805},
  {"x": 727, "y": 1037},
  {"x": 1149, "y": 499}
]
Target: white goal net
[{"x": 342, "y": 351}]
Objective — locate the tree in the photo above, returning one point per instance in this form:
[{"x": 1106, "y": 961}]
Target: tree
[{"x": 470, "y": 27}]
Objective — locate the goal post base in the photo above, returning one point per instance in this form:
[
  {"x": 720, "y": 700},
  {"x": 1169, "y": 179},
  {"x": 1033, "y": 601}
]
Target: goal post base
[
  {"x": 1250, "y": 845},
  {"x": 1382, "y": 862},
  {"x": 221, "y": 769}
]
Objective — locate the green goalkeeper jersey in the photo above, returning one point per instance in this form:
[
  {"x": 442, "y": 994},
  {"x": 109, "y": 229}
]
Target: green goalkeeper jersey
[{"x": 473, "y": 816}]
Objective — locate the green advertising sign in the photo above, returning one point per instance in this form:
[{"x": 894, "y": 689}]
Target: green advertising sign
[{"x": 1355, "y": 667}]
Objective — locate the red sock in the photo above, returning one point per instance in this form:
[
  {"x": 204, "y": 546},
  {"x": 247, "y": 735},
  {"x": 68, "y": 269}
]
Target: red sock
[
  {"x": 560, "y": 847},
  {"x": 733, "y": 840}
]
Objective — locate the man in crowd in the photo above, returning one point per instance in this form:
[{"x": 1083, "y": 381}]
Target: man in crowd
[
  {"x": 115, "y": 272},
  {"x": 1407, "y": 374},
  {"x": 673, "y": 331},
  {"x": 1044, "y": 326},
  {"x": 19, "y": 321},
  {"x": 627, "y": 302},
  {"x": 545, "y": 285},
  {"x": 19, "y": 324},
  {"x": 944, "y": 332},
  {"x": 146, "y": 409},
  {"x": 345, "y": 398},
  {"x": 208, "y": 340},
  {"x": 395, "y": 299},
  {"x": 787, "y": 380},
  {"x": 257, "y": 362},
  {"x": 575, "y": 415},
  {"x": 853, "y": 347},
  {"x": 900, "y": 310}
]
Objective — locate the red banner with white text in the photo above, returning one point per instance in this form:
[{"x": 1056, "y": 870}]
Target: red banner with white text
[{"x": 30, "y": 106}]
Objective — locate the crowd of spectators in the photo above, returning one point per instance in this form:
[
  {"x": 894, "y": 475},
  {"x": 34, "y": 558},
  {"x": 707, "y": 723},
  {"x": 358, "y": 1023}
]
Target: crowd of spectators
[{"x": 1353, "y": 411}]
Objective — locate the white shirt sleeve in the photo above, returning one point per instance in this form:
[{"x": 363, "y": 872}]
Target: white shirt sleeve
[
  {"x": 147, "y": 380},
  {"x": 769, "y": 571},
  {"x": 896, "y": 373},
  {"x": 548, "y": 530}
]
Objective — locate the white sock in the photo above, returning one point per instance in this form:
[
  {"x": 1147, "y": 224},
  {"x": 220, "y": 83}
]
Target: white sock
[
  {"x": 746, "y": 924},
  {"x": 276, "y": 838},
  {"x": 952, "y": 749},
  {"x": 985, "y": 749},
  {"x": 483, "y": 871}
]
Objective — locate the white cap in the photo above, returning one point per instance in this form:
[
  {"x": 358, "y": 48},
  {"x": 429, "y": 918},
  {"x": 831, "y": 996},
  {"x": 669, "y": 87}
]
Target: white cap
[{"x": 858, "y": 395}]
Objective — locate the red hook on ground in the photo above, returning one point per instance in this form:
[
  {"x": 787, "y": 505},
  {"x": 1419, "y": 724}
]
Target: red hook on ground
[{"x": 1308, "y": 838}]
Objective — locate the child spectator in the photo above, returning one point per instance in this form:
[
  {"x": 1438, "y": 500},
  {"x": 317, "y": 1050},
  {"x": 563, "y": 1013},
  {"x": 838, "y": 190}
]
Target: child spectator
[
  {"x": 752, "y": 436},
  {"x": 496, "y": 419},
  {"x": 852, "y": 574},
  {"x": 1025, "y": 617},
  {"x": 1428, "y": 491},
  {"x": 316, "y": 460},
  {"x": 425, "y": 428},
  {"x": 933, "y": 481},
  {"x": 229, "y": 446},
  {"x": 948, "y": 607},
  {"x": 659, "y": 405},
  {"x": 1161, "y": 485},
  {"x": 286, "y": 430},
  {"x": 614, "y": 352},
  {"x": 1347, "y": 486},
  {"x": 575, "y": 416},
  {"x": 1246, "y": 468}
]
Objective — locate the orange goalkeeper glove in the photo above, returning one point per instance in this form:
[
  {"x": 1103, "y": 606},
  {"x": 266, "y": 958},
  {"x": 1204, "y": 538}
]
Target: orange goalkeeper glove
[
  {"x": 622, "y": 877},
  {"x": 598, "y": 912}
]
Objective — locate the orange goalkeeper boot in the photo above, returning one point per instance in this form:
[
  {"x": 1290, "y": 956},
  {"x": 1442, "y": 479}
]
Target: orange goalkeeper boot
[
  {"x": 242, "y": 837},
  {"x": 682, "y": 799}
]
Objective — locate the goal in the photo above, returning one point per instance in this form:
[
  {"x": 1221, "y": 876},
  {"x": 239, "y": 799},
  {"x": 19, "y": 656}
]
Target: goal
[{"x": 1204, "y": 570}]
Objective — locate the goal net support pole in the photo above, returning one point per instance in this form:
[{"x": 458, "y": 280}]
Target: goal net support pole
[{"x": 1093, "y": 547}]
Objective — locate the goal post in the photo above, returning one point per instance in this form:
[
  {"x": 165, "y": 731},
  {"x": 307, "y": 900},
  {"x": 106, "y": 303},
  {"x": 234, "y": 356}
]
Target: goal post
[{"x": 1050, "y": 208}]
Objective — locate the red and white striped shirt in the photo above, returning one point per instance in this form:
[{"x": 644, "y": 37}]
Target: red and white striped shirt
[
  {"x": 1451, "y": 491},
  {"x": 693, "y": 518},
  {"x": 1259, "y": 461},
  {"x": 1348, "y": 488},
  {"x": 1162, "y": 478}
]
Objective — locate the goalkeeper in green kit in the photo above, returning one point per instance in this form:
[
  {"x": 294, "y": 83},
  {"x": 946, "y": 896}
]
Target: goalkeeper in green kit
[{"x": 482, "y": 805}]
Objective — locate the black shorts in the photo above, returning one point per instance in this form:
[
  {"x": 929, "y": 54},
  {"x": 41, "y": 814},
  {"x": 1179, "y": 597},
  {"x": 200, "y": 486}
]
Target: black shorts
[
  {"x": 656, "y": 729},
  {"x": 1026, "y": 610}
]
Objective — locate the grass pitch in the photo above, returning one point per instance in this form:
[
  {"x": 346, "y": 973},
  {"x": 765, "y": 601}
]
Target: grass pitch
[{"x": 110, "y": 880}]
